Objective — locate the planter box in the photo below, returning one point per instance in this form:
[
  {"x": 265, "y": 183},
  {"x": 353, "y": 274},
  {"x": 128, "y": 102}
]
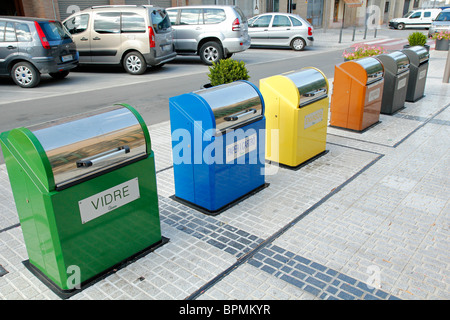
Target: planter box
[
  {"x": 442, "y": 45},
  {"x": 427, "y": 47}
]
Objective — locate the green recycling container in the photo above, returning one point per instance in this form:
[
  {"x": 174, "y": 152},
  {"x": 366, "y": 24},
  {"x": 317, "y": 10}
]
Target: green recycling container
[{"x": 85, "y": 192}]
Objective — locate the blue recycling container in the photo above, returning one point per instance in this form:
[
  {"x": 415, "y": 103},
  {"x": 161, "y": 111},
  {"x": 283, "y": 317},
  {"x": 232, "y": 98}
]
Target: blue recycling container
[{"x": 218, "y": 145}]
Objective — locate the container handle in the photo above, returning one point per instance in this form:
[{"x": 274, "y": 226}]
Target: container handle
[
  {"x": 376, "y": 74},
  {"x": 89, "y": 162},
  {"x": 313, "y": 93},
  {"x": 236, "y": 116}
]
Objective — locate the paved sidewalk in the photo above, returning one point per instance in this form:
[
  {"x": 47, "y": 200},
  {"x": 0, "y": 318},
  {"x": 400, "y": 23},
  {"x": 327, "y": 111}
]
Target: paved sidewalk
[
  {"x": 368, "y": 220},
  {"x": 387, "y": 38}
]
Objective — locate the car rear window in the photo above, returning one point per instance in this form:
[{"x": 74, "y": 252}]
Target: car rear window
[
  {"x": 132, "y": 22},
  {"x": 53, "y": 30},
  {"x": 212, "y": 16},
  {"x": 160, "y": 20},
  {"x": 295, "y": 22},
  {"x": 23, "y": 32}
]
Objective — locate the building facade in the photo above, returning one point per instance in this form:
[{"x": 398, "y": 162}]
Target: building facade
[{"x": 320, "y": 13}]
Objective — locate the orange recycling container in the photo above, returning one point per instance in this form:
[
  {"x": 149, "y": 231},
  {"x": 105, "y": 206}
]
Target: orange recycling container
[{"x": 357, "y": 93}]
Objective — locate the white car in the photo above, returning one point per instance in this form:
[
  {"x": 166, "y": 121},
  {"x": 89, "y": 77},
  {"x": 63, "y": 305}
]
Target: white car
[
  {"x": 421, "y": 18},
  {"x": 280, "y": 30}
]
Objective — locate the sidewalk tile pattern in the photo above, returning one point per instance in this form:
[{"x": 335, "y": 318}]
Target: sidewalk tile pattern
[{"x": 368, "y": 220}]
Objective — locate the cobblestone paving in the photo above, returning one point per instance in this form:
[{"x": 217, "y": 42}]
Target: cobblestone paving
[{"x": 367, "y": 220}]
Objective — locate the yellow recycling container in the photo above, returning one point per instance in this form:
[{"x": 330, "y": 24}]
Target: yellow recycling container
[{"x": 296, "y": 116}]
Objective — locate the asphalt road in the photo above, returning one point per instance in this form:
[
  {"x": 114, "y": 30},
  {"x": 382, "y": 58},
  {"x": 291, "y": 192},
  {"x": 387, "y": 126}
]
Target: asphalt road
[{"x": 88, "y": 88}]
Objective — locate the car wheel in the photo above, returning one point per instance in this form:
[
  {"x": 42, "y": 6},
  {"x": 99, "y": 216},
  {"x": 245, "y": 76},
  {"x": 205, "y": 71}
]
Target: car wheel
[
  {"x": 298, "y": 44},
  {"x": 25, "y": 75},
  {"x": 401, "y": 26},
  {"x": 59, "y": 75},
  {"x": 134, "y": 63},
  {"x": 211, "y": 52}
]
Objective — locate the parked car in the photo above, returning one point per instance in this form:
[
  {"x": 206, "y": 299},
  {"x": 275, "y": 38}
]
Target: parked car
[
  {"x": 441, "y": 23},
  {"x": 212, "y": 32},
  {"x": 421, "y": 18},
  {"x": 31, "y": 46},
  {"x": 280, "y": 29},
  {"x": 135, "y": 36}
]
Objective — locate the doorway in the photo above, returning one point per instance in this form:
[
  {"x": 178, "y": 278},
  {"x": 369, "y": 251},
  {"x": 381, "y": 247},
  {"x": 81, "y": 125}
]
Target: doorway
[
  {"x": 11, "y": 8},
  {"x": 314, "y": 13}
]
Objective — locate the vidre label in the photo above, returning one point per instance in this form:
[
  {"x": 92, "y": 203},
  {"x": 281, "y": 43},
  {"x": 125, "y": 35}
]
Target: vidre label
[{"x": 108, "y": 200}]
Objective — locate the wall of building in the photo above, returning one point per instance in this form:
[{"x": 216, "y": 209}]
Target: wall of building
[
  {"x": 388, "y": 9},
  {"x": 41, "y": 9}
]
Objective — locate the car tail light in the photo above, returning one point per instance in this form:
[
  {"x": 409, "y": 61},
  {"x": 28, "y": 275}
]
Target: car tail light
[
  {"x": 309, "y": 31},
  {"x": 41, "y": 34},
  {"x": 236, "y": 26},
  {"x": 151, "y": 35}
]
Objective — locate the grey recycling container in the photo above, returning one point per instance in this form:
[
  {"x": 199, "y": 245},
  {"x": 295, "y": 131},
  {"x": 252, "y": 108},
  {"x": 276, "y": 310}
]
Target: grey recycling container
[
  {"x": 418, "y": 65},
  {"x": 396, "y": 76}
]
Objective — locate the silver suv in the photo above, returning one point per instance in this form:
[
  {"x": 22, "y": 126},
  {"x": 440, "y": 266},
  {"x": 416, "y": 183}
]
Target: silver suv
[
  {"x": 212, "y": 32},
  {"x": 31, "y": 46},
  {"x": 135, "y": 36}
]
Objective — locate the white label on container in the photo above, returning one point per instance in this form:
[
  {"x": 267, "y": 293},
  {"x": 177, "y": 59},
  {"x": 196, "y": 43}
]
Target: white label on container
[
  {"x": 374, "y": 94},
  {"x": 313, "y": 118},
  {"x": 241, "y": 147},
  {"x": 422, "y": 74},
  {"x": 108, "y": 200},
  {"x": 401, "y": 83}
]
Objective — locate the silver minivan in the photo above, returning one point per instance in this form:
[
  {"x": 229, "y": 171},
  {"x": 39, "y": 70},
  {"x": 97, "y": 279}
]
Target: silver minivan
[
  {"x": 135, "y": 36},
  {"x": 213, "y": 32}
]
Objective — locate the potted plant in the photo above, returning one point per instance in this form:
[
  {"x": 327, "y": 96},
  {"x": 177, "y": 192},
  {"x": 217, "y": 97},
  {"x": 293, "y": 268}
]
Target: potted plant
[
  {"x": 226, "y": 71},
  {"x": 363, "y": 52},
  {"x": 417, "y": 39},
  {"x": 442, "y": 40}
]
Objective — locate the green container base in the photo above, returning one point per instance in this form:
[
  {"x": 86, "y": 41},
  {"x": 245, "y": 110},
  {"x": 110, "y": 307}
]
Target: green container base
[{"x": 65, "y": 294}]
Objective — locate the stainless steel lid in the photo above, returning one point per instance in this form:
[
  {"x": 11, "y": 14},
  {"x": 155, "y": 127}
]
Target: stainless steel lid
[
  {"x": 395, "y": 62},
  {"x": 233, "y": 104},
  {"x": 84, "y": 145},
  {"x": 417, "y": 55},
  {"x": 311, "y": 84},
  {"x": 373, "y": 67}
]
